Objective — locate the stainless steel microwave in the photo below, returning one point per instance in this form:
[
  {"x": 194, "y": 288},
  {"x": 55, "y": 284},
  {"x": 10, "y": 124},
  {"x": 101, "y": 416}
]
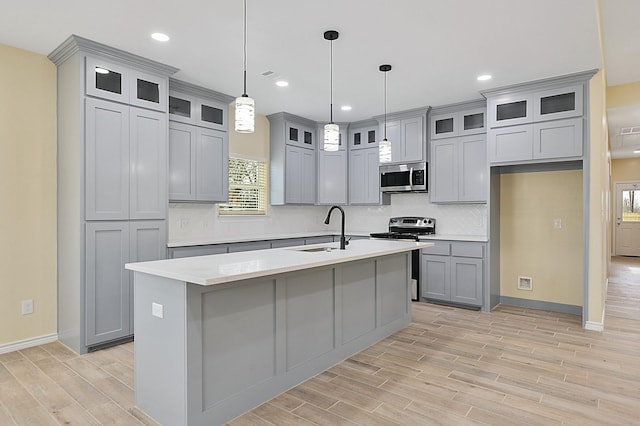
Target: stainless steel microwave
[{"x": 409, "y": 177}]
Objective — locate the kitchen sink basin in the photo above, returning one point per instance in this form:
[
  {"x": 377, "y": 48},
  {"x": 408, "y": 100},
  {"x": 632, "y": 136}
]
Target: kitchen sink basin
[{"x": 316, "y": 249}]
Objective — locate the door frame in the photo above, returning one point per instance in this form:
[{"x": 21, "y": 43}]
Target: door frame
[{"x": 614, "y": 211}]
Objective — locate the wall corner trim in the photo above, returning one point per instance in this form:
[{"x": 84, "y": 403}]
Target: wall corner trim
[{"x": 28, "y": 343}]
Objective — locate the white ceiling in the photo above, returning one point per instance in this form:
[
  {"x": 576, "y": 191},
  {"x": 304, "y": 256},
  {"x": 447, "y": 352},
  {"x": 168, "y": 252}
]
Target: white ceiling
[{"x": 436, "y": 48}]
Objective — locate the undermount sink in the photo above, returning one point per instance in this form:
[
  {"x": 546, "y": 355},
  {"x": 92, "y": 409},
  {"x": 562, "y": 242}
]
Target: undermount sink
[{"x": 315, "y": 249}]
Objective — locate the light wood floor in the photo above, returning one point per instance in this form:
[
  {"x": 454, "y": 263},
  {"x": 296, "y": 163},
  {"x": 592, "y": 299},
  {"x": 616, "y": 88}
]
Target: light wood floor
[{"x": 450, "y": 366}]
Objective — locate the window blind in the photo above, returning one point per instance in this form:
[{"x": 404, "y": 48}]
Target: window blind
[{"x": 247, "y": 188}]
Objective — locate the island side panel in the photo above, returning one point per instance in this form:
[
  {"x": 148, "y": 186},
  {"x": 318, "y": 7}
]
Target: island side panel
[
  {"x": 358, "y": 299},
  {"x": 393, "y": 276},
  {"x": 160, "y": 381}
]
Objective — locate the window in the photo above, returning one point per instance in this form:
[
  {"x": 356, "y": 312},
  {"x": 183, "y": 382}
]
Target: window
[{"x": 247, "y": 188}]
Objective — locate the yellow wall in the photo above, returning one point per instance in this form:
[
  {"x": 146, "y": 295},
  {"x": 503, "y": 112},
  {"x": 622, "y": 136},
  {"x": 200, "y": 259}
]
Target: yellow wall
[
  {"x": 254, "y": 145},
  {"x": 531, "y": 247},
  {"x": 623, "y": 94},
  {"x": 28, "y": 193},
  {"x": 625, "y": 169}
]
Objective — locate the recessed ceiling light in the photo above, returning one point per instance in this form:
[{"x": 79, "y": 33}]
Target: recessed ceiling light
[
  {"x": 484, "y": 77},
  {"x": 346, "y": 107},
  {"x": 160, "y": 37},
  {"x": 282, "y": 83}
]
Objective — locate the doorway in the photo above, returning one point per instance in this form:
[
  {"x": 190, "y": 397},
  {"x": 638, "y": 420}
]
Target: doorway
[{"x": 627, "y": 210}]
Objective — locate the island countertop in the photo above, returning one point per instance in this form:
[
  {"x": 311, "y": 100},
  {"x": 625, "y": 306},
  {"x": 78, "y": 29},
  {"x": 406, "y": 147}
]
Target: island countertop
[{"x": 228, "y": 267}]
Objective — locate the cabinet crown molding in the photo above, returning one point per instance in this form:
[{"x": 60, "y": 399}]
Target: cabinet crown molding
[
  {"x": 547, "y": 83},
  {"x": 291, "y": 117},
  {"x": 198, "y": 91},
  {"x": 459, "y": 106},
  {"x": 75, "y": 44},
  {"x": 399, "y": 115}
]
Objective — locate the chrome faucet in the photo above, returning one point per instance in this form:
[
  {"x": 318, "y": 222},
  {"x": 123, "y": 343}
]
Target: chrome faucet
[{"x": 343, "y": 241}]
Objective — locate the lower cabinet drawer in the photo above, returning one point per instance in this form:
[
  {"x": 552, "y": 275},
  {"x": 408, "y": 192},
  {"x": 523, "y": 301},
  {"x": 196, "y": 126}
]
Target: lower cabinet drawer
[
  {"x": 439, "y": 247},
  {"x": 466, "y": 249}
]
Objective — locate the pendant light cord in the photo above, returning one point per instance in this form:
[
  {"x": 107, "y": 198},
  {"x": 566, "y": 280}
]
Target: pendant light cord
[
  {"x": 330, "y": 84},
  {"x": 385, "y": 105},
  {"x": 244, "y": 59}
]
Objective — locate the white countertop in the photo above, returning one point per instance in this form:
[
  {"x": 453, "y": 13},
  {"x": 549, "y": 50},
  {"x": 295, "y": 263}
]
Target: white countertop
[
  {"x": 228, "y": 267},
  {"x": 192, "y": 242}
]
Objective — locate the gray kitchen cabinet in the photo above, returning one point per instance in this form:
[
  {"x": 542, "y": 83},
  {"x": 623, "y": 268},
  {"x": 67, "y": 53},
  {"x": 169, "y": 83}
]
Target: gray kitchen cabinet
[
  {"x": 293, "y": 178},
  {"x": 119, "y": 83},
  {"x": 198, "y": 144},
  {"x": 191, "y": 251},
  {"x": 364, "y": 177},
  {"x": 318, "y": 240},
  {"x": 198, "y": 163},
  {"x": 107, "y": 291},
  {"x": 249, "y": 246},
  {"x": 109, "y": 287},
  {"x": 125, "y": 159},
  {"x": 458, "y": 123},
  {"x": 107, "y": 160},
  {"x": 558, "y": 139},
  {"x": 112, "y": 200},
  {"x": 510, "y": 144},
  {"x": 510, "y": 109},
  {"x": 300, "y": 175},
  {"x": 287, "y": 242},
  {"x": 452, "y": 271},
  {"x": 558, "y": 103},
  {"x": 198, "y": 106},
  {"x": 332, "y": 177},
  {"x": 459, "y": 170},
  {"x": 406, "y": 131},
  {"x": 363, "y": 134}
]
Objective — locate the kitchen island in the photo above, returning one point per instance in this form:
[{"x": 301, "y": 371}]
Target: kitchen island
[{"x": 218, "y": 335}]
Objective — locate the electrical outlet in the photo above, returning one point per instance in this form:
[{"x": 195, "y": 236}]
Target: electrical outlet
[
  {"x": 157, "y": 310},
  {"x": 557, "y": 223},
  {"x": 184, "y": 223},
  {"x": 525, "y": 283},
  {"x": 27, "y": 307}
]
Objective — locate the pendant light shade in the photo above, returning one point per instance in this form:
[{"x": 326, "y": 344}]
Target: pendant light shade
[
  {"x": 245, "y": 106},
  {"x": 331, "y": 130},
  {"x": 384, "y": 146}
]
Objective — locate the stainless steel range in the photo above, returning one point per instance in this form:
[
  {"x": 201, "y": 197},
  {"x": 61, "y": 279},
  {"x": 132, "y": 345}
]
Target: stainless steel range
[{"x": 408, "y": 228}]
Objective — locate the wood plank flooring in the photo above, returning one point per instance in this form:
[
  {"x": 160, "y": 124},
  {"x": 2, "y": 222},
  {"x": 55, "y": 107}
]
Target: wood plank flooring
[{"x": 449, "y": 367}]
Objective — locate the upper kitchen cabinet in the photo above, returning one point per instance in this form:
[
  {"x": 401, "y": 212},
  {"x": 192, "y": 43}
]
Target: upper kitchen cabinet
[
  {"x": 447, "y": 122},
  {"x": 120, "y": 83},
  {"x": 406, "y": 131},
  {"x": 293, "y": 159},
  {"x": 112, "y": 184},
  {"x": 541, "y": 121},
  {"x": 199, "y": 106},
  {"x": 363, "y": 134},
  {"x": 458, "y": 158},
  {"x": 364, "y": 178},
  {"x": 198, "y": 144},
  {"x": 332, "y": 167}
]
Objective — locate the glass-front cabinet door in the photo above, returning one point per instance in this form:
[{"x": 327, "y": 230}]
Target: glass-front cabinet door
[
  {"x": 211, "y": 114},
  {"x": 558, "y": 103},
  {"x": 444, "y": 125},
  {"x": 182, "y": 107},
  {"x": 148, "y": 91},
  {"x": 472, "y": 122},
  {"x": 107, "y": 80},
  {"x": 510, "y": 110}
]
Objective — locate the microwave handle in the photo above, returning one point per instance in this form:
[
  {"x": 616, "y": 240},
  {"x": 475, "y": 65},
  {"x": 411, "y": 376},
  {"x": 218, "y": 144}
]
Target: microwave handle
[{"x": 411, "y": 177}]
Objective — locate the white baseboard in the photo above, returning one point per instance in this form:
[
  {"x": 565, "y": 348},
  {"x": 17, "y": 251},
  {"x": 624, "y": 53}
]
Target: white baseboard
[
  {"x": 594, "y": 326},
  {"x": 28, "y": 343}
]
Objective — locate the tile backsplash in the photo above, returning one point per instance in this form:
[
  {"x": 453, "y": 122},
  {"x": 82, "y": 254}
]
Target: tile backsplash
[{"x": 200, "y": 222}]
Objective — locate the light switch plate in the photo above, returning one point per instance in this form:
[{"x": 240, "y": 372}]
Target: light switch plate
[
  {"x": 557, "y": 223},
  {"x": 157, "y": 310}
]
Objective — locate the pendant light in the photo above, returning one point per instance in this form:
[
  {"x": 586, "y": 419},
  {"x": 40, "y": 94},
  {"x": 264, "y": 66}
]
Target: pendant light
[
  {"x": 331, "y": 130},
  {"x": 384, "y": 146},
  {"x": 245, "y": 106}
]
